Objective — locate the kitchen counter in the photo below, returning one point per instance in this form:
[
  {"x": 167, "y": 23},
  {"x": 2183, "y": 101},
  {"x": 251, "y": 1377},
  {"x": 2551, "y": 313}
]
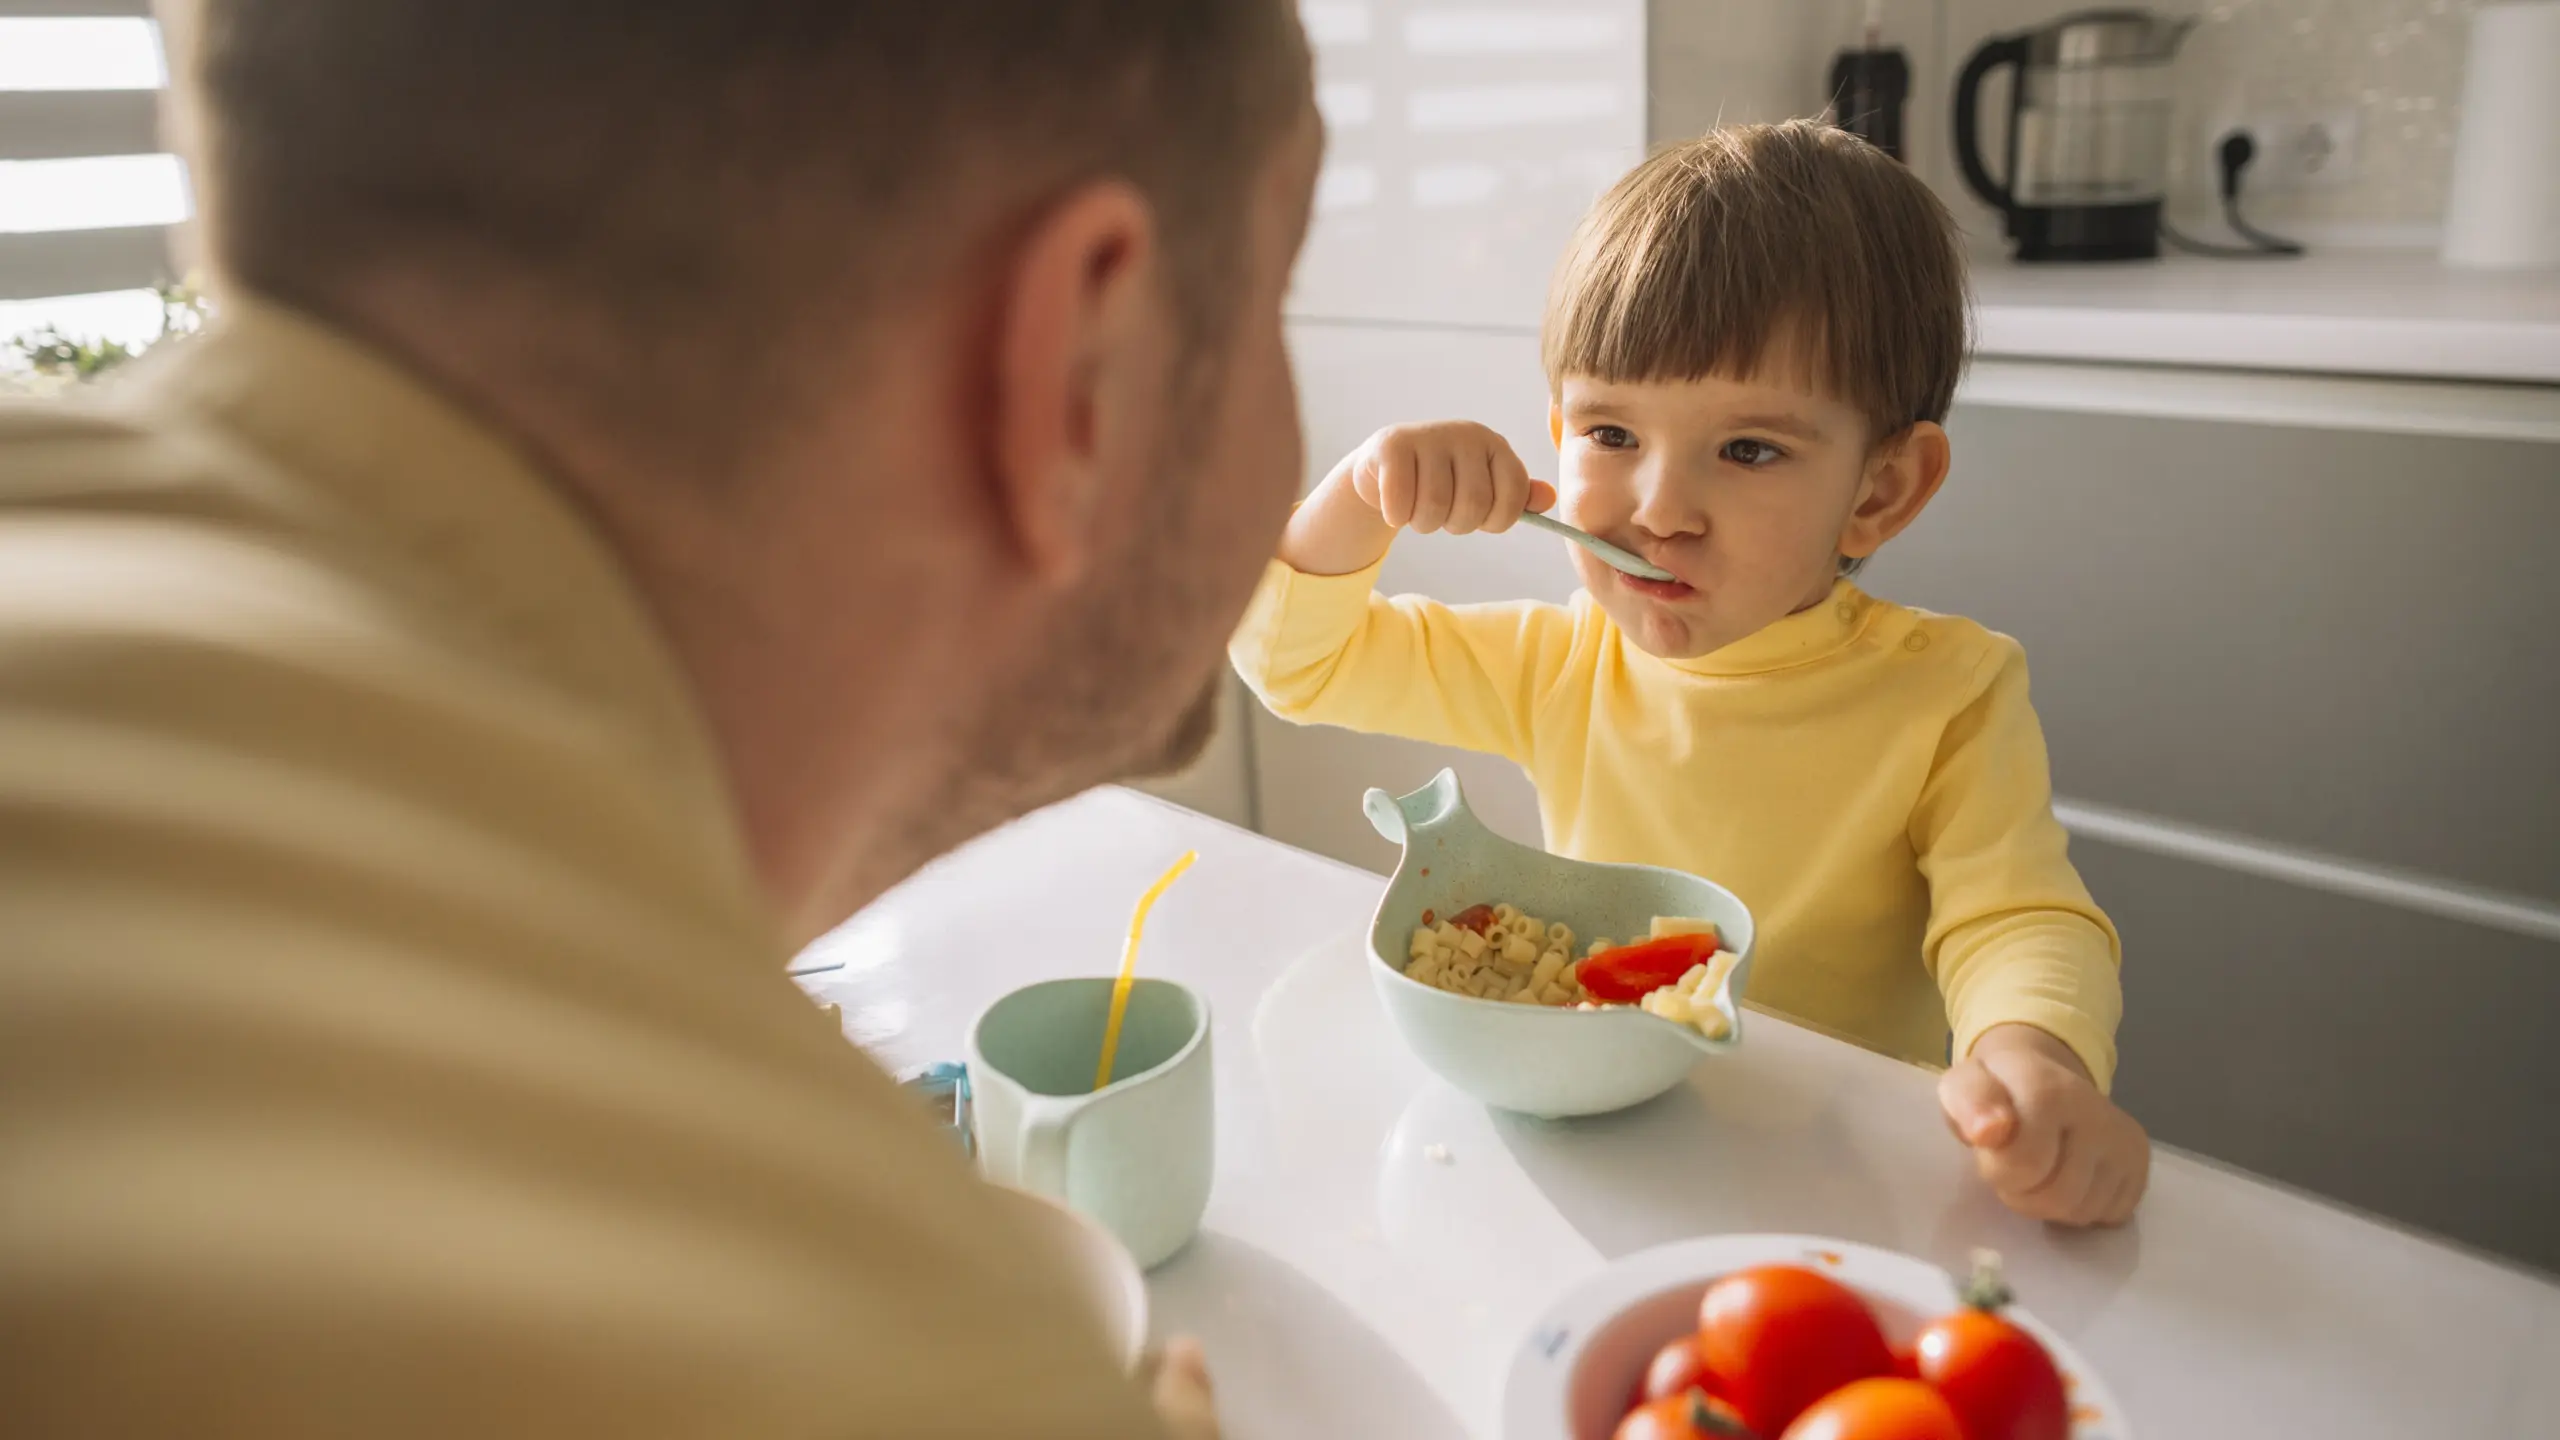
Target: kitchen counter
[
  {"x": 2367, "y": 313},
  {"x": 1377, "y": 1243}
]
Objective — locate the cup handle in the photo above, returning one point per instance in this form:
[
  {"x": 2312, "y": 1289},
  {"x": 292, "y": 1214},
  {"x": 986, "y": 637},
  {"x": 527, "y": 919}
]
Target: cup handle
[{"x": 1041, "y": 1160}]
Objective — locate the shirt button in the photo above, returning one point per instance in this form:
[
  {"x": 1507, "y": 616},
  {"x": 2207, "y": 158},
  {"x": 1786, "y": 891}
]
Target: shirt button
[
  {"x": 1848, "y": 611},
  {"x": 1916, "y": 641}
]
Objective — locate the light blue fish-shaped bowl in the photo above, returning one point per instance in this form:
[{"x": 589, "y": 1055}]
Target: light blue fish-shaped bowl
[{"x": 1529, "y": 1058}]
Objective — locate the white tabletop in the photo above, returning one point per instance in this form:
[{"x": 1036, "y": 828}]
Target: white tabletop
[{"x": 1377, "y": 1243}]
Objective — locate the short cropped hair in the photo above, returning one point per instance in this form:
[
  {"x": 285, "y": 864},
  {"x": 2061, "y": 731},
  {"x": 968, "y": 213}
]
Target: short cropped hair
[
  {"x": 684, "y": 157},
  {"x": 1713, "y": 251}
]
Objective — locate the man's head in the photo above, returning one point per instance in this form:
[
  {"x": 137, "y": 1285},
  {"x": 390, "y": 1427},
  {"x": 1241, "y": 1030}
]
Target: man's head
[
  {"x": 1751, "y": 346},
  {"x": 922, "y": 360}
]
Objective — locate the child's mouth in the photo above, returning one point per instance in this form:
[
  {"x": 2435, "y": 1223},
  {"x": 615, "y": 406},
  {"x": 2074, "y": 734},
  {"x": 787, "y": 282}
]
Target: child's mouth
[{"x": 1657, "y": 589}]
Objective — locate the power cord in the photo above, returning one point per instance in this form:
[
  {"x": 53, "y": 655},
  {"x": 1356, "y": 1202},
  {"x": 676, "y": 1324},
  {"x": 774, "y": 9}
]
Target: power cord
[{"x": 2235, "y": 152}]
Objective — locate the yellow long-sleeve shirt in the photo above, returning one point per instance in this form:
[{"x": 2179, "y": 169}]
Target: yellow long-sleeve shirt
[{"x": 1870, "y": 779}]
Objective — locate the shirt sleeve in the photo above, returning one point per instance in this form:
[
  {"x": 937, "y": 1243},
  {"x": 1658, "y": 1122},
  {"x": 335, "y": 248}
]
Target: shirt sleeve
[
  {"x": 2013, "y": 935},
  {"x": 1330, "y": 650}
]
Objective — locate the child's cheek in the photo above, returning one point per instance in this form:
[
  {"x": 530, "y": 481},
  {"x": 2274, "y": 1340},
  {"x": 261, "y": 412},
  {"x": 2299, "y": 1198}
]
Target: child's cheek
[{"x": 1593, "y": 503}]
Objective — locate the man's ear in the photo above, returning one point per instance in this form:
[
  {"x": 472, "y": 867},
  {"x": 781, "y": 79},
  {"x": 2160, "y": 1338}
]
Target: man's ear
[
  {"x": 1076, "y": 359},
  {"x": 1902, "y": 476}
]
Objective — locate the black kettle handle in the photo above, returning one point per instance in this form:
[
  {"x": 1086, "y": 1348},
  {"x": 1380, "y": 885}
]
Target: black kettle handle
[{"x": 2009, "y": 50}]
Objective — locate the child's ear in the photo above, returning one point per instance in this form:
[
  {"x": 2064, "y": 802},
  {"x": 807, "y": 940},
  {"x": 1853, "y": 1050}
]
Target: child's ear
[
  {"x": 1555, "y": 425},
  {"x": 1903, "y": 475}
]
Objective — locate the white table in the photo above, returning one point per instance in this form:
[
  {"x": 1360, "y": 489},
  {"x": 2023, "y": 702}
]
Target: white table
[{"x": 1355, "y": 1278}]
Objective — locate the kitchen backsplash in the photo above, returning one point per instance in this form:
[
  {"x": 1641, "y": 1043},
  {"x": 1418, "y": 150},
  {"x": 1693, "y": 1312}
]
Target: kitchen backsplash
[{"x": 2397, "y": 64}]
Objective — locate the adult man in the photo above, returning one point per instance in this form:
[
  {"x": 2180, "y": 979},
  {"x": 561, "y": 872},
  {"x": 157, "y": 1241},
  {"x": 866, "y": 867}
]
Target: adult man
[{"x": 665, "y": 471}]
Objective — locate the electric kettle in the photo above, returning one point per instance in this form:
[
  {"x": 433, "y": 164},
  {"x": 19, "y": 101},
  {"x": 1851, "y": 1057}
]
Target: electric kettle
[{"x": 2089, "y": 131}]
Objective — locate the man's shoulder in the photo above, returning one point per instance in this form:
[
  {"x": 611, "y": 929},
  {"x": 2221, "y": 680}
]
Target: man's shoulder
[{"x": 188, "y": 658}]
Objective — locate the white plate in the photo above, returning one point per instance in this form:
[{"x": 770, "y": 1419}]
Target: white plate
[{"x": 1584, "y": 1357}]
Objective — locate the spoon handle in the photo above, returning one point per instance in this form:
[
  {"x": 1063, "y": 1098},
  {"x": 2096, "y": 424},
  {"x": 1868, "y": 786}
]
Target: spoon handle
[{"x": 1609, "y": 554}]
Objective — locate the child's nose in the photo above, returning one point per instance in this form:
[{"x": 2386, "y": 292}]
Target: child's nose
[{"x": 1663, "y": 510}]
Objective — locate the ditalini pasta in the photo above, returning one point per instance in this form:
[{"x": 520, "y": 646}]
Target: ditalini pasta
[{"x": 1495, "y": 952}]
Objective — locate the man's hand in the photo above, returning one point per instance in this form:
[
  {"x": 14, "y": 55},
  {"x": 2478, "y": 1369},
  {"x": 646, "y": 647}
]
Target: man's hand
[
  {"x": 1177, "y": 1379},
  {"x": 2048, "y": 1143}
]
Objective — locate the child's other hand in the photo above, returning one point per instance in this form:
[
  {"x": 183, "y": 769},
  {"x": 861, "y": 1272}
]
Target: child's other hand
[
  {"x": 1452, "y": 475},
  {"x": 2048, "y": 1143}
]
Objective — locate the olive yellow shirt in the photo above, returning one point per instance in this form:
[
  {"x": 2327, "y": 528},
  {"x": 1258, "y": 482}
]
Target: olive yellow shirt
[
  {"x": 392, "y": 1039},
  {"x": 1869, "y": 779}
]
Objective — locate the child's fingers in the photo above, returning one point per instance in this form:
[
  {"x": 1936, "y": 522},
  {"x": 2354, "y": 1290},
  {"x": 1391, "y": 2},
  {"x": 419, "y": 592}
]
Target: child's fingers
[
  {"x": 1435, "y": 486},
  {"x": 1391, "y": 474},
  {"x": 1977, "y": 1105},
  {"x": 2071, "y": 1194},
  {"x": 1509, "y": 492},
  {"x": 1476, "y": 499},
  {"x": 1542, "y": 496},
  {"x": 2033, "y": 1171},
  {"x": 2129, "y": 1191}
]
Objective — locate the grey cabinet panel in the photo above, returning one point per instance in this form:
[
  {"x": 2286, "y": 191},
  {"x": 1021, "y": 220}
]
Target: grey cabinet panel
[
  {"x": 2394, "y": 1061},
  {"x": 2334, "y": 641},
  {"x": 2339, "y": 643}
]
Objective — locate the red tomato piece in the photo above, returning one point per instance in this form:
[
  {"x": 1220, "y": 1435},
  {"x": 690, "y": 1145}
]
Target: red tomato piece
[
  {"x": 1692, "y": 1416},
  {"x": 1884, "y": 1409},
  {"x": 1631, "y": 972},
  {"x": 1478, "y": 918},
  {"x": 1427, "y": 917},
  {"x": 1997, "y": 1378},
  {"x": 1779, "y": 1337},
  {"x": 1677, "y": 1369}
]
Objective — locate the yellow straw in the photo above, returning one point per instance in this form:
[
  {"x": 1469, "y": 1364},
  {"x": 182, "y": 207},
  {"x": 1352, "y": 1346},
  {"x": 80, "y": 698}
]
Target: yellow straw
[{"x": 1129, "y": 966}]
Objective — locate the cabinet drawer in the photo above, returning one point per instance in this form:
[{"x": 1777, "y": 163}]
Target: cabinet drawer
[
  {"x": 2395, "y": 1061},
  {"x": 2348, "y": 643}
]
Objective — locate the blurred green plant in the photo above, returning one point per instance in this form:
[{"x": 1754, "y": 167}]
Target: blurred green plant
[{"x": 55, "y": 359}]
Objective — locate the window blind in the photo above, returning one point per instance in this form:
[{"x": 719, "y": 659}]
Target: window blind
[{"x": 83, "y": 207}]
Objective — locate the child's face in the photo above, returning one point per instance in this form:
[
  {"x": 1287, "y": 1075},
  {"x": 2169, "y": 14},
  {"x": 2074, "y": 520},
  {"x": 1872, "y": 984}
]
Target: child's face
[{"x": 1748, "y": 490}]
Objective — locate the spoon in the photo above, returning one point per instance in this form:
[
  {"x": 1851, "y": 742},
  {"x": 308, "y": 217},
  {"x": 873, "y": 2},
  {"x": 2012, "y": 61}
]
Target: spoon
[{"x": 1610, "y": 555}]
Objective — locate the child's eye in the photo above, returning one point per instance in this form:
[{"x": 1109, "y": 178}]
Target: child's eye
[
  {"x": 1752, "y": 453},
  {"x": 1610, "y": 437}
]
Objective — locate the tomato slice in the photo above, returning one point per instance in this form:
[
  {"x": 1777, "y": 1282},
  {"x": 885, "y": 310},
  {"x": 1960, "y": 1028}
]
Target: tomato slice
[{"x": 1631, "y": 972}]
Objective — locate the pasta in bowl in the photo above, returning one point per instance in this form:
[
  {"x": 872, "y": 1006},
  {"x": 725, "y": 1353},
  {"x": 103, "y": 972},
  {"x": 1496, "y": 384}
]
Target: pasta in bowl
[{"x": 1502, "y": 1007}]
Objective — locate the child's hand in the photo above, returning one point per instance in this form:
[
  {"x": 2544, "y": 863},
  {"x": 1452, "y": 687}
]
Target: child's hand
[
  {"x": 1452, "y": 475},
  {"x": 2046, "y": 1140}
]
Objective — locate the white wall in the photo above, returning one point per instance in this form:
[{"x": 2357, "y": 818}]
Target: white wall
[{"x": 2396, "y": 64}]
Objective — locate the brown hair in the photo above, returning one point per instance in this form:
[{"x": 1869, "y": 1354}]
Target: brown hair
[
  {"x": 1713, "y": 250},
  {"x": 718, "y": 161}
]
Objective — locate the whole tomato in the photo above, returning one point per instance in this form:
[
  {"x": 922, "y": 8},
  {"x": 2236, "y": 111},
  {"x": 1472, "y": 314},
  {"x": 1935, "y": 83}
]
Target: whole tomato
[
  {"x": 1999, "y": 1381},
  {"x": 1677, "y": 1368},
  {"x": 1884, "y": 1409},
  {"x": 1695, "y": 1415},
  {"x": 1779, "y": 1337}
]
